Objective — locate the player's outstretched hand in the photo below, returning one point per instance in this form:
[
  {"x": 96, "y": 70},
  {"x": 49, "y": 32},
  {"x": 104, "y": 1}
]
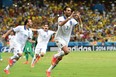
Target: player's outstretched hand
[
  {"x": 4, "y": 36},
  {"x": 72, "y": 15}
]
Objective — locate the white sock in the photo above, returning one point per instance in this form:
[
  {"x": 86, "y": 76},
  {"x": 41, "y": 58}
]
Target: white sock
[
  {"x": 33, "y": 60},
  {"x": 60, "y": 53},
  {"x": 14, "y": 61},
  {"x": 51, "y": 67},
  {"x": 15, "y": 56},
  {"x": 7, "y": 68}
]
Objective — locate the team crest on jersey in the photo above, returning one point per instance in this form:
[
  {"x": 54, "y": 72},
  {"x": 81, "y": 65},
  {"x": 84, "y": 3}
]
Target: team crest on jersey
[
  {"x": 25, "y": 36},
  {"x": 44, "y": 36},
  {"x": 67, "y": 27}
]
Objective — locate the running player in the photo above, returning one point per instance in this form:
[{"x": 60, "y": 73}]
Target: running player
[
  {"x": 62, "y": 37},
  {"x": 44, "y": 36},
  {"x": 28, "y": 49},
  {"x": 10, "y": 37},
  {"x": 22, "y": 34}
]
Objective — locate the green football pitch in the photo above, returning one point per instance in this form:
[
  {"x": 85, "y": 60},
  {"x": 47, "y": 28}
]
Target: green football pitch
[{"x": 76, "y": 64}]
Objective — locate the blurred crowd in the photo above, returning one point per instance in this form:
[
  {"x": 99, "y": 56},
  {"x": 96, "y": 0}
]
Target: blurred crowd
[{"x": 97, "y": 25}]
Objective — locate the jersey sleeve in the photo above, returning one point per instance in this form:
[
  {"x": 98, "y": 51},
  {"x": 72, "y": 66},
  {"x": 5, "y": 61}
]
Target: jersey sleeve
[
  {"x": 30, "y": 34},
  {"x": 9, "y": 36},
  {"x": 52, "y": 32},
  {"x": 74, "y": 22},
  {"x": 39, "y": 30},
  {"x": 60, "y": 19},
  {"x": 17, "y": 29}
]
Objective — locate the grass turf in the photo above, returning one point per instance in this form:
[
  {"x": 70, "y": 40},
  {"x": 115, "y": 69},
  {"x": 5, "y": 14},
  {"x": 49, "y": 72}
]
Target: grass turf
[{"x": 76, "y": 64}]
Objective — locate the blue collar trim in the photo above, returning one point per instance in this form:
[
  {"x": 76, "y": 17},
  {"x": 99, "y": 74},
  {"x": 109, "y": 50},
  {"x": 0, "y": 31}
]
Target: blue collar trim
[
  {"x": 70, "y": 20},
  {"x": 25, "y": 28},
  {"x": 64, "y": 17}
]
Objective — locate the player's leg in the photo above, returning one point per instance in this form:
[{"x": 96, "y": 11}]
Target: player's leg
[
  {"x": 48, "y": 71},
  {"x": 25, "y": 50},
  {"x": 28, "y": 50},
  {"x": 36, "y": 56},
  {"x": 0, "y": 57},
  {"x": 31, "y": 54},
  {"x": 55, "y": 60},
  {"x": 63, "y": 50},
  {"x": 58, "y": 57},
  {"x": 35, "y": 60},
  {"x": 41, "y": 53},
  {"x": 31, "y": 51},
  {"x": 13, "y": 59},
  {"x": 27, "y": 57}
]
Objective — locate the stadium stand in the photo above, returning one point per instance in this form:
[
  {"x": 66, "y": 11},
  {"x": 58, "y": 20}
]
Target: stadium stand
[{"x": 97, "y": 26}]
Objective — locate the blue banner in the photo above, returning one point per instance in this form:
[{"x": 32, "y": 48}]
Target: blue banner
[
  {"x": 86, "y": 46},
  {"x": 7, "y": 3}
]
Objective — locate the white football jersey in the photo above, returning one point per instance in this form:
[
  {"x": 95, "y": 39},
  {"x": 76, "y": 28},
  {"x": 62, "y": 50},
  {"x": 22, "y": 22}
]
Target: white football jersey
[
  {"x": 43, "y": 37},
  {"x": 22, "y": 34},
  {"x": 11, "y": 37},
  {"x": 64, "y": 32}
]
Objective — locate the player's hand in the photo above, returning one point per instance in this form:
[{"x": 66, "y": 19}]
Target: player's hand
[
  {"x": 4, "y": 36},
  {"x": 34, "y": 41},
  {"x": 77, "y": 15},
  {"x": 72, "y": 15}
]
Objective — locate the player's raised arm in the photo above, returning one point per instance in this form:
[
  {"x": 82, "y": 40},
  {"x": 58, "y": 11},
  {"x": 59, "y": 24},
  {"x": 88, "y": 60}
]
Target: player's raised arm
[
  {"x": 7, "y": 33},
  {"x": 77, "y": 16},
  {"x": 68, "y": 15},
  {"x": 33, "y": 29},
  {"x": 32, "y": 41}
]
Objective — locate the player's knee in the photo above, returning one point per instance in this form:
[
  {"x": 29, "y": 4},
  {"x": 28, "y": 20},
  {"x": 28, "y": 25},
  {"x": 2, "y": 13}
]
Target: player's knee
[
  {"x": 67, "y": 52},
  {"x": 19, "y": 54},
  {"x": 26, "y": 52},
  {"x": 37, "y": 55},
  {"x": 42, "y": 55},
  {"x": 60, "y": 58}
]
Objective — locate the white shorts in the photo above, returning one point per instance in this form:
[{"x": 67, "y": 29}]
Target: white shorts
[
  {"x": 18, "y": 48},
  {"x": 60, "y": 43},
  {"x": 11, "y": 44},
  {"x": 39, "y": 50}
]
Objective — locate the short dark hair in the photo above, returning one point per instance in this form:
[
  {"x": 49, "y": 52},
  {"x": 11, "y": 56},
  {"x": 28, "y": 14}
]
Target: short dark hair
[
  {"x": 45, "y": 23},
  {"x": 26, "y": 21},
  {"x": 65, "y": 8},
  {"x": 72, "y": 9}
]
